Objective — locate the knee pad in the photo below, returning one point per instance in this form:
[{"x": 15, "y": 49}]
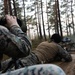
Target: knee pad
[{"x": 42, "y": 69}]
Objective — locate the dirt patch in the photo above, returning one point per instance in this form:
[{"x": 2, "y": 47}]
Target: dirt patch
[{"x": 68, "y": 67}]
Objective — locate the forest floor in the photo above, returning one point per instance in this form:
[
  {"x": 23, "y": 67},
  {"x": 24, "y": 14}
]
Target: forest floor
[{"x": 68, "y": 67}]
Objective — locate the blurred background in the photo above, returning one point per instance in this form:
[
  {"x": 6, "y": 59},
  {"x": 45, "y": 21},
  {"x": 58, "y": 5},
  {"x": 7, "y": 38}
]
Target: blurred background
[{"x": 42, "y": 17}]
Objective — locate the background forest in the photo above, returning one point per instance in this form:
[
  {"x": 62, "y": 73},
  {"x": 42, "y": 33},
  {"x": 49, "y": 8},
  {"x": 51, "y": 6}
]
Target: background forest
[{"x": 42, "y": 17}]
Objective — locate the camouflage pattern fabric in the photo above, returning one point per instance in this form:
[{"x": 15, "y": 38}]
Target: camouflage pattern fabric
[
  {"x": 42, "y": 69},
  {"x": 19, "y": 41},
  {"x": 26, "y": 61},
  {"x": 31, "y": 59}
]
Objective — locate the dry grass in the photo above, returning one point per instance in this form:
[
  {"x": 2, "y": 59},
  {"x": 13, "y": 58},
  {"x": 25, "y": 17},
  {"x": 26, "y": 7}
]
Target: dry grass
[
  {"x": 5, "y": 57},
  {"x": 35, "y": 43}
]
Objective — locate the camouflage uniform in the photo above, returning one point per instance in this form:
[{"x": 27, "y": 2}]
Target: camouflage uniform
[{"x": 14, "y": 42}]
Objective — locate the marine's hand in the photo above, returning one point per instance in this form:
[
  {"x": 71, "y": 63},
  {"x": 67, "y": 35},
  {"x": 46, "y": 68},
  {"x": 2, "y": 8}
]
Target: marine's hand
[{"x": 11, "y": 20}]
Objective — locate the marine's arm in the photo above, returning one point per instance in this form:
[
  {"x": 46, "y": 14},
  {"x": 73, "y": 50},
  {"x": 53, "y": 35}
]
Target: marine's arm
[
  {"x": 21, "y": 40},
  {"x": 18, "y": 36},
  {"x": 64, "y": 54}
]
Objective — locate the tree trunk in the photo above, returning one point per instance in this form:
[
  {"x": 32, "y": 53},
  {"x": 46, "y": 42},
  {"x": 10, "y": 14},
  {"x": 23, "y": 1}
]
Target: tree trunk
[
  {"x": 10, "y": 9},
  {"x": 6, "y": 6},
  {"x": 67, "y": 27},
  {"x": 43, "y": 21},
  {"x": 36, "y": 19},
  {"x": 56, "y": 18},
  {"x": 69, "y": 30},
  {"x": 72, "y": 16},
  {"x": 47, "y": 20},
  {"x": 40, "y": 32},
  {"x": 59, "y": 19},
  {"x": 24, "y": 13},
  {"x": 15, "y": 12}
]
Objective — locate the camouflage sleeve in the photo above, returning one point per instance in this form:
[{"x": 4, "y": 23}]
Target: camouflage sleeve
[
  {"x": 20, "y": 39},
  {"x": 64, "y": 55}
]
